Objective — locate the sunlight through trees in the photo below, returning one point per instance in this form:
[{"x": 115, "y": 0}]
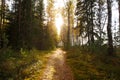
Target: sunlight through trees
[
  {"x": 91, "y": 27},
  {"x": 59, "y": 23}
]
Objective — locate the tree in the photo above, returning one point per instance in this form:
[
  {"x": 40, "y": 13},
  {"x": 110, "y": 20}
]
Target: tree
[
  {"x": 119, "y": 19},
  {"x": 69, "y": 14},
  {"x": 100, "y": 19},
  {"x": 3, "y": 9},
  {"x": 0, "y": 24},
  {"x": 64, "y": 28},
  {"x": 39, "y": 31},
  {"x": 109, "y": 25},
  {"x": 52, "y": 33},
  {"x": 20, "y": 24},
  {"x": 85, "y": 16},
  {"x": 68, "y": 32}
]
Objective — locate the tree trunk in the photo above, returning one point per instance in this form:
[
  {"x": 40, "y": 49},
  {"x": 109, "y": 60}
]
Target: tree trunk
[
  {"x": 109, "y": 33},
  {"x": 88, "y": 28},
  {"x": 119, "y": 15},
  {"x": 2, "y": 22},
  {"x": 92, "y": 24},
  {"x": 19, "y": 15},
  {"x": 68, "y": 32},
  {"x": 1, "y": 26},
  {"x": 99, "y": 16}
]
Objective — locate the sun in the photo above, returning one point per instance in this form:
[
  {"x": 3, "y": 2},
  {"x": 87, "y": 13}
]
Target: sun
[{"x": 58, "y": 23}]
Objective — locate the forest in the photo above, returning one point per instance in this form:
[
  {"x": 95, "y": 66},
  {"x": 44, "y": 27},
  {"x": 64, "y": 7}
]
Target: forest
[{"x": 59, "y": 39}]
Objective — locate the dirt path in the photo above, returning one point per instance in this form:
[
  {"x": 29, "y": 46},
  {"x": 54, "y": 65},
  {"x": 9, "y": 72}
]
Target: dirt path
[{"x": 56, "y": 68}]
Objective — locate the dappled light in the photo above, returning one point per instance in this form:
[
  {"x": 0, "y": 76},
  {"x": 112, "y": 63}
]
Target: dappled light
[{"x": 59, "y": 40}]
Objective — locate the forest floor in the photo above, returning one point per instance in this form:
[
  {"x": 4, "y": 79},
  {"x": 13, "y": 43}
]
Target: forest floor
[
  {"x": 93, "y": 66},
  {"x": 34, "y": 65},
  {"x": 59, "y": 65},
  {"x": 56, "y": 68}
]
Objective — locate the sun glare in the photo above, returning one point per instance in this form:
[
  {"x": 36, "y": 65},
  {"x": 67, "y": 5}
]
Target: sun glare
[{"x": 58, "y": 23}]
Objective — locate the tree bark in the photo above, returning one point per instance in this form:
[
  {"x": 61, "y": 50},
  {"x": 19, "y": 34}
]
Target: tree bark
[
  {"x": 68, "y": 32},
  {"x": 92, "y": 24},
  {"x": 119, "y": 16},
  {"x": 1, "y": 26},
  {"x": 109, "y": 33},
  {"x": 99, "y": 16},
  {"x": 2, "y": 22}
]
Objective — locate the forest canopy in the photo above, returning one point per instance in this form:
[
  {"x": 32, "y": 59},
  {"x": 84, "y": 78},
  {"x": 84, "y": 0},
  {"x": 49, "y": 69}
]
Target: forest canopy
[
  {"x": 43, "y": 24},
  {"x": 32, "y": 31}
]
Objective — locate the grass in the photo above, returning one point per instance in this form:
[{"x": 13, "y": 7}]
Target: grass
[
  {"x": 93, "y": 66},
  {"x": 23, "y": 65}
]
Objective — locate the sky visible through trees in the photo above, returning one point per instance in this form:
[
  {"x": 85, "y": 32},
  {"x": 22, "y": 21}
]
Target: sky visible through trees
[
  {"x": 60, "y": 9},
  {"x": 33, "y": 32},
  {"x": 61, "y": 3}
]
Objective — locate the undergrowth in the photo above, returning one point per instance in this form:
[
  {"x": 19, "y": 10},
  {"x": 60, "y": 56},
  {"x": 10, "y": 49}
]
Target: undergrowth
[
  {"x": 22, "y": 65},
  {"x": 93, "y": 66}
]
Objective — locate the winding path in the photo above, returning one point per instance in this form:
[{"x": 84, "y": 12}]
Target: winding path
[{"x": 57, "y": 69}]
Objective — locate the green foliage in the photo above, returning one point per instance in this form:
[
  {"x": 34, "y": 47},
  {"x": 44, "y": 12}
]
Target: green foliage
[
  {"x": 26, "y": 28},
  {"x": 87, "y": 66},
  {"x": 96, "y": 47},
  {"x": 22, "y": 65},
  {"x": 6, "y": 53}
]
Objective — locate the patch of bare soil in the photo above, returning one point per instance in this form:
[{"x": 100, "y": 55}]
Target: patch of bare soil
[{"x": 57, "y": 69}]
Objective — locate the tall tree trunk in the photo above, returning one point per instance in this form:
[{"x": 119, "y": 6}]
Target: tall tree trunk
[
  {"x": 68, "y": 32},
  {"x": 19, "y": 15},
  {"x": 99, "y": 16},
  {"x": 109, "y": 33},
  {"x": 3, "y": 16},
  {"x": 119, "y": 15},
  {"x": 92, "y": 24},
  {"x": 88, "y": 31},
  {"x": 2, "y": 22},
  {"x": 1, "y": 25}
]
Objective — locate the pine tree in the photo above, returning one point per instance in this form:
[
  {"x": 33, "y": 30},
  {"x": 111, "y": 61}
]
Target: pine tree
[
  {"x": 109, "y": 25},
  {"x": 85, "y": 15},
  {"x": 119, "y": 15},
  {"x": 2, "y": 23},
  {"x": 20, "y": 24}
]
